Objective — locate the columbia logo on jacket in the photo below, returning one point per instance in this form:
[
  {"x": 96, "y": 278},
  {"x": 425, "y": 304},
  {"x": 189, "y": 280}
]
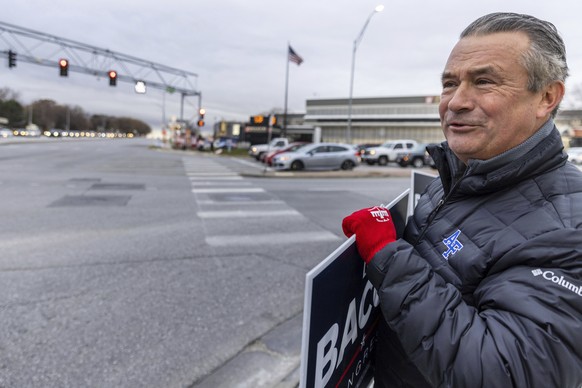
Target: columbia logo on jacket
[{"x": 549, "y": 275}]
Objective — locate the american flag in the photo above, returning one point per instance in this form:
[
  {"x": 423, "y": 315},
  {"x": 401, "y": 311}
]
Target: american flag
[{"x": 293, "y": 57}]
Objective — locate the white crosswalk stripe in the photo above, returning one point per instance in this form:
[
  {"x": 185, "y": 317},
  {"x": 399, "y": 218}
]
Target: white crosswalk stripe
[
  {"x": 271, "y": 238},
  {"x": 239, "y": 202},
  {"x": 215, "y": 177},
  {"x": 220, "y": 183},
  {"x": 248, "y": 214},
  {"x": 222, "y": 194},
  {"x": 229, "y": 190}
]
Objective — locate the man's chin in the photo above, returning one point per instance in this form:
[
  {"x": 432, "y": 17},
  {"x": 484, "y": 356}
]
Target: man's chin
[{"x": 465, "y": 151}]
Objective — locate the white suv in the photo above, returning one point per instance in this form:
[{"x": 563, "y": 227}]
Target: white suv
[{"x": 387, "y": 152}]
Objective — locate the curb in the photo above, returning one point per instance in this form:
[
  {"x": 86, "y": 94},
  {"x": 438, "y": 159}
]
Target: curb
[
  {"x": 271, "y": 361},
  {"x": 389, "y": 172}
]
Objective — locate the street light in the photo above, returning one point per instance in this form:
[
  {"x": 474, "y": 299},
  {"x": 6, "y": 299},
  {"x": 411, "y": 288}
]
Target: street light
[{"x": 379, "y": 8}]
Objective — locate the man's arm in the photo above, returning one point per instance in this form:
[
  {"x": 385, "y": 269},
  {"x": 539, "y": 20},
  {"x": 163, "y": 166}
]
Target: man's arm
[{"x": 518, "y": 330}]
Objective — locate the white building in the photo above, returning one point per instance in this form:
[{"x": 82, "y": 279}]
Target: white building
[{"x": 375, "y": 120}]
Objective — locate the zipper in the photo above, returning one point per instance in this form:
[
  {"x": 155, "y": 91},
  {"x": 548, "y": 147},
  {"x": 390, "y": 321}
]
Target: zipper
[
  {"x": 437, "y": 208},
  {"x": 429, "y": 220}
]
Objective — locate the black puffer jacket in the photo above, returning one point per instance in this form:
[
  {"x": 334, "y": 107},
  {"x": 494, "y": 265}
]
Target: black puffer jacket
[{"x": 485, "y": 288}]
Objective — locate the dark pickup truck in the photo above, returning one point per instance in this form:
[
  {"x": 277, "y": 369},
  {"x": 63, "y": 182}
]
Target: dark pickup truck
[{"x": 416, "y": 157}]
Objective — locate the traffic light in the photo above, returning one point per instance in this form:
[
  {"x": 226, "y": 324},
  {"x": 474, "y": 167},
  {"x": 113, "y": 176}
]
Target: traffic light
[
  {"x": 140, "y": 87},
  {"x": 257, "y": 120},
  {"x": 64, "y": 66},
  {"x": 201, "y": 113},
  {"x": 112, "y": 78},
  {"x": 11, "y": 59}
]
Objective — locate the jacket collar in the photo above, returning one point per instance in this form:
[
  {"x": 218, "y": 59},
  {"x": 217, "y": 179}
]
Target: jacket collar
[{"x": 542, "y": 152}]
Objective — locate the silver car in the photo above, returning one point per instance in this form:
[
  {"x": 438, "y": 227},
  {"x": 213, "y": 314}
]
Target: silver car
[
  {"x": 575, "y": 155},
  {"x": 319, "y": 156}
]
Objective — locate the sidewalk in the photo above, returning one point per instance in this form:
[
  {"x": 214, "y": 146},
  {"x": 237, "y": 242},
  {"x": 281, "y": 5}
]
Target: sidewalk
[
  {"x": 270, "y": 362},
  {"x": 358, "y": 172},
  {"x": 256, "y": 169}
]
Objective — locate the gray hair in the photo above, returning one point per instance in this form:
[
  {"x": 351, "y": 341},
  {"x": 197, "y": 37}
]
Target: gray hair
[{"x": 545, "y": 61}]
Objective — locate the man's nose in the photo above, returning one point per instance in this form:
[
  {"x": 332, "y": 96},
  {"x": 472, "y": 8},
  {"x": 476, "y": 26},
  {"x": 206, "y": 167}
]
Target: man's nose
[{"x": 461, "y": 99}]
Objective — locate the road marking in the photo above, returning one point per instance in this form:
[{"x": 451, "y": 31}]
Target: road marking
[
  {"x": 238, "y": 202},
  {"x": 229, "y": 190},
  {"x": 247, "y": 213},
  {"x": 251, "y": 164},
  {"x": 216, "y": 173},
  {"x": 216, "y": 177},
  {"x": 271, "y": 238},
  {"x": 218, "y": 183}
]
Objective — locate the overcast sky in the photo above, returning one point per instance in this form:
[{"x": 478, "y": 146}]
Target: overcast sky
[{"x": 239, "y": 49}]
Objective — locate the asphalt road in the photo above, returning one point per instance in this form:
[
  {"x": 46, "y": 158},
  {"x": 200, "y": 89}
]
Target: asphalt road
[{"x": 123, "y": 265}]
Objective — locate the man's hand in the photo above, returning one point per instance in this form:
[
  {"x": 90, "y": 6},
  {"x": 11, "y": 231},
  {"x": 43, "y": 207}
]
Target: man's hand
[{"x": 373, "y": 228}]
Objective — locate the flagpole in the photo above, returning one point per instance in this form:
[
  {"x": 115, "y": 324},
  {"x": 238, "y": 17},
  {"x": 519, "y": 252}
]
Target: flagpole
[{"x": 284, "y": 134}]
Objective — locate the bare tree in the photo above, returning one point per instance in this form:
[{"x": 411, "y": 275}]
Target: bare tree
[{"x": 8, "y": 94}]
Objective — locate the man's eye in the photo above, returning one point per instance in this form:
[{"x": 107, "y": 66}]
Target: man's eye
[
  {"x": 448, "y": 84},
  {"x": 483, "y": 81}
]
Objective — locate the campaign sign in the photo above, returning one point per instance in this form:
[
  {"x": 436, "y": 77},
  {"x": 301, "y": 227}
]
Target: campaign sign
[
  {"x": 419, "y": 182},
  {"x": 341, "y": 314}
]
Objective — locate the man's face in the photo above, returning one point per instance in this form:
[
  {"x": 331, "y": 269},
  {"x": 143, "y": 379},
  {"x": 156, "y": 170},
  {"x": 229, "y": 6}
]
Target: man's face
[{"x": 485, "y": 106}]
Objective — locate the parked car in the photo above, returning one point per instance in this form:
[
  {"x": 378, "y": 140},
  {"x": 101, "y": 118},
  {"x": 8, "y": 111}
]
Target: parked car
[
  {"x": 225, "y": 143},
  {"x": 318, "y": 156},
  {"x": 364, "y": 146},
  {"x": 203, "y": 145},
  {"x": 257, "y": 150},
  {"x": 428, "y": 161},
  {"x": 575, "y": 155},
  {"x": 268, "y": 159},
  {"x": 414, "y": 157},
  {"x": 180, "y": 141},
  {"x": 387, "y": 152},
  {"x": 6, "y": 132}
]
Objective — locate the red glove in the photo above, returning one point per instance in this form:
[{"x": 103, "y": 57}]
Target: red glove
[{"x": 374, "y": 229}]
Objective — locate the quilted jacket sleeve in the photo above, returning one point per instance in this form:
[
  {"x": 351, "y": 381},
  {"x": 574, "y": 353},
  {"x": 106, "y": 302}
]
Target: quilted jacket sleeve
[{"x": 522, "y": 326}]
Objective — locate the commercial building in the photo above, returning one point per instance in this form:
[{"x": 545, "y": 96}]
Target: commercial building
[
  {"x": 377, "y": 119},
  {"x": 373, "y": 120}
]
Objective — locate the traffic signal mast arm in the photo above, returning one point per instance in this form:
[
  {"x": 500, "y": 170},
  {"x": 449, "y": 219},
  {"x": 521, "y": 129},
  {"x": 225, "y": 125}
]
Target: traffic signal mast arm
[{"x": 81, "y": 55}]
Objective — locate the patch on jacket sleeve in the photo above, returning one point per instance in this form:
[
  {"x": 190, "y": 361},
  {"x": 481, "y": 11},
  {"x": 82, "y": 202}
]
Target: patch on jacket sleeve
[{"x": 453, "y": 244}]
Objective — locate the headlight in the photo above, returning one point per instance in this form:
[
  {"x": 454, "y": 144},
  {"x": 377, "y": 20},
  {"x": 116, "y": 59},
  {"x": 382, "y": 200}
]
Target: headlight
[
  {"x": 372, "y": 152},
  {"x": 253, "y": 149},
  {"x": 283, "y": 158}
]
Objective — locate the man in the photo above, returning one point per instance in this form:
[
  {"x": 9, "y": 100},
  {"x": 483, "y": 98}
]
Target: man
[{"x": 485, "y": 287}]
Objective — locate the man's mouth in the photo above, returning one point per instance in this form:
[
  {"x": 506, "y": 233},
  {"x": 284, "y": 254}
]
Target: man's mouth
[{"x": 461, "y": 125}]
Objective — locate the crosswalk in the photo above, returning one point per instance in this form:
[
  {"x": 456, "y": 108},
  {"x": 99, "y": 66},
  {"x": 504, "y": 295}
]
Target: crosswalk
[{"x": 225, "y": 201}]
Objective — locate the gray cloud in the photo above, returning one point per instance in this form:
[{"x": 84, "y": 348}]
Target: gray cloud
[{"x": 238, "y": 48}]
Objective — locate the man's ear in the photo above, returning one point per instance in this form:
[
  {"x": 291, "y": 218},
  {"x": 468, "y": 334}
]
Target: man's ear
[{"x": 551, "y": 97}]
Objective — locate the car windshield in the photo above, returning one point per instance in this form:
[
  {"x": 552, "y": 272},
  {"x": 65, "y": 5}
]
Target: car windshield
[
  {"x": 388, "y": 144},
  {"x": 296, "y": 147},
  {"x": 308, "y": 147}
]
